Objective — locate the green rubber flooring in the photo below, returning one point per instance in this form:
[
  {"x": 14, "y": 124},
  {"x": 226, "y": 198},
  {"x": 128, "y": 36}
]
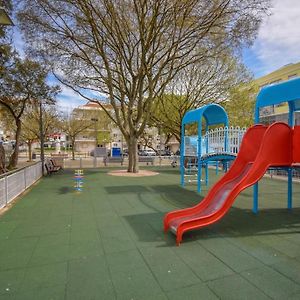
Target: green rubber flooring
[{"x": 107, "y": 242}]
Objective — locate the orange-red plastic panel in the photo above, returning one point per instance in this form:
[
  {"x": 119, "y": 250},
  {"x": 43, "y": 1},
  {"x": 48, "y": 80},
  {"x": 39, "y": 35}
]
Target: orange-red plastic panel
[{"x": 296, "y": 144}]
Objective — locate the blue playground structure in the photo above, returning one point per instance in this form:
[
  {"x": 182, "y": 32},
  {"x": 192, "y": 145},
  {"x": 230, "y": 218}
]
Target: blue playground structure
[
  {"x": 213, "y": 147},
  {"x": 288, "y": 91}
]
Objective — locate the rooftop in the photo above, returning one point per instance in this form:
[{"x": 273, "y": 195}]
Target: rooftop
[{"x": 107, "y": 242}]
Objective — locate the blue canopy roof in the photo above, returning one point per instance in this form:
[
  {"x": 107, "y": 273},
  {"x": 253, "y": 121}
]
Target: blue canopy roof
[
  {"x": 212, "y": 113},
  {"x": 287, "y": 91}
]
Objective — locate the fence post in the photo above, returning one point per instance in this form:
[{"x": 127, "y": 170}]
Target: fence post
[{"x": 80, "y": 163}]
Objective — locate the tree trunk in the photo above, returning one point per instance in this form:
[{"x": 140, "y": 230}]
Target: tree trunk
[
  {"x": 13, "y": 160},
  {"x": 73, "y": 149},
  {"x": 2, "y": 159},
  {"x": 29, "y": 143},
  {"x": 133, "y": 164}
]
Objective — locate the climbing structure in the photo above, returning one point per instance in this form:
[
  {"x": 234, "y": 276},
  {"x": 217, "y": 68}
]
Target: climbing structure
[{"x": 209, "y": 146}]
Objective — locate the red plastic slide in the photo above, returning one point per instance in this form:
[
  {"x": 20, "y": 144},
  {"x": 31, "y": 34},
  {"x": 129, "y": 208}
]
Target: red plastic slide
[{"x": 261, "y": 148}]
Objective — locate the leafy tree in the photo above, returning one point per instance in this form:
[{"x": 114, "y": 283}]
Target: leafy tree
[
  {"x": 101, "y": 127},
  {"x": 131, "y": 49},
  {"x": 22, "y": 84},
  {"x": 240, "y": 105}
]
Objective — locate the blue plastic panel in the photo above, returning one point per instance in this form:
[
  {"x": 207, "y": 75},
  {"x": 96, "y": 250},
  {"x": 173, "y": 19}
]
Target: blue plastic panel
[
  {"x": 212, "y": 113},
  {"x": 287, "y": 91}
]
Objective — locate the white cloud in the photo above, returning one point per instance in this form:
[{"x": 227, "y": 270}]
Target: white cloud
[
  {"x": 279, "y": 36},
  {"x": 68, "y": 98}
]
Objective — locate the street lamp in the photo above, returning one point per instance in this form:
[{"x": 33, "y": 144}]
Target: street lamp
[{"x": 4, "y": 18}]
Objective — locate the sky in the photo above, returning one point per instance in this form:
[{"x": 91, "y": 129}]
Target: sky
[
  {"x": 276, "y": 45},
  {"x": 278, "y": 39}
]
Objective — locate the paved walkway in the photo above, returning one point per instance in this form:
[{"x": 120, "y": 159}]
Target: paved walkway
[{"x": 107, "y": 243}]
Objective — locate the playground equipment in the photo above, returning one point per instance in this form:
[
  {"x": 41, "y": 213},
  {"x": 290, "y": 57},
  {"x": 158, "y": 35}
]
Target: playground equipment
[
  {"x": 78, "y": 177},
  {"x": 262, "y": 147},
  {"x": 217, "y": 145},
  {"x": 288, "y": 91}
]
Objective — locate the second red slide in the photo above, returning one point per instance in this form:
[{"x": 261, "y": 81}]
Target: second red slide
[{"x": 261, "y": 148}]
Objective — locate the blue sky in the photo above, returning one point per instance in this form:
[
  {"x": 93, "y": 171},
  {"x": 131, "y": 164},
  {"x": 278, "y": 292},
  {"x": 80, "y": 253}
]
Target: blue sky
[
  {"x": 278, "y": 39},
  {"x": 276, "y": 45}
]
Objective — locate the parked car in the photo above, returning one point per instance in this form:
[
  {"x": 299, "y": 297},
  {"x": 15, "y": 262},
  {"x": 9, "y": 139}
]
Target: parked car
[
  {"x": 146, "y": 153},
  {"x": 165, "y": 152},
  {"x": 150, "y": 152}
]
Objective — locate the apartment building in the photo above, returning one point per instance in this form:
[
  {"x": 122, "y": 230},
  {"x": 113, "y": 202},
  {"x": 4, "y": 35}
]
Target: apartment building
[
  {"x": 99, "y": 132},
  {"x": 104, "y": 133}
]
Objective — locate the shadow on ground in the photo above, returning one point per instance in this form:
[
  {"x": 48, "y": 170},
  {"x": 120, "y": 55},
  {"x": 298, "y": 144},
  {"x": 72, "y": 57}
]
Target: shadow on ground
[
  {"x": 237, "y": 223},
  {"x": 173, "y": 193},
  {"x": 65, "y": 190}
]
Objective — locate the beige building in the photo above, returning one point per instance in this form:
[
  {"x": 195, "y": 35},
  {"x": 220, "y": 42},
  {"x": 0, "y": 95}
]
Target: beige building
[
  {"x": 103, "y": 133},
  {"x": 284, "y": 73},
  {"x": 99, "y": 133}
]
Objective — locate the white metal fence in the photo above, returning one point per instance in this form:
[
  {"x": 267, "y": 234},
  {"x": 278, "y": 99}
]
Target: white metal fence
[
  {"x": 12, "y": 184},
  {"x": 97, "y": 162},
  {"x": 214, "y": 141}
]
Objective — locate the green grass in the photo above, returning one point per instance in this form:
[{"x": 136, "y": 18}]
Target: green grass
[{"x": 107, "y": 242}]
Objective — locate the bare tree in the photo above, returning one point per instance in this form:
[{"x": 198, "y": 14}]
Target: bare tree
[
  {"x": 72, "y": 126},
  {"x": 195, "y": 86},
  {"x": 131, "y": 49},
  {"x": 31, "y": 125}
]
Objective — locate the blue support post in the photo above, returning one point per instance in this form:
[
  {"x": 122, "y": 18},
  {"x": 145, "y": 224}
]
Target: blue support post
[
  {"x": 217, "y": 167},
  {"x": 199, "y": 164},
  {"x": 255, "y": 198},
  {"x": 256, "y": 115},
  {"x": 226, "y": 140},
  {"x": 206, "y": 165},
  {"x": 255, "y": 187},
  {"x": 290, "y": 170},
  {"x": 182, "y": 153},
  {"x": 290, "y": 189}
]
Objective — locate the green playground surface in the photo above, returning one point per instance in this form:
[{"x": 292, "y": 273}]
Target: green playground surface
[{"x": 106, "y": 242}]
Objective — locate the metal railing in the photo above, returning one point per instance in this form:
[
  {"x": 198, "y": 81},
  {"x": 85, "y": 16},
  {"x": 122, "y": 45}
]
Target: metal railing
[
  {"x": 97, "y": 162},
  {"x": 13, "y": 183},
  {"x": 214, "y": 141}
]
